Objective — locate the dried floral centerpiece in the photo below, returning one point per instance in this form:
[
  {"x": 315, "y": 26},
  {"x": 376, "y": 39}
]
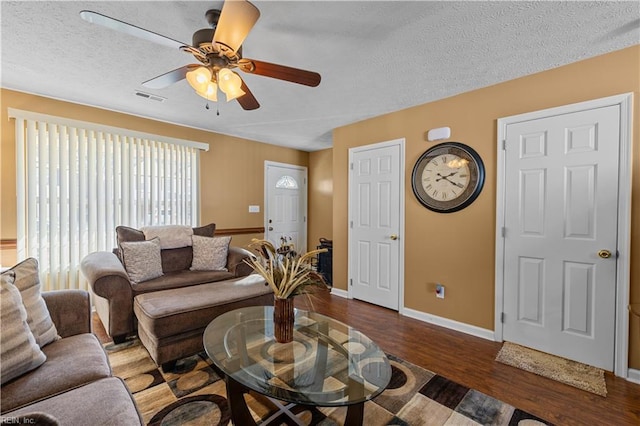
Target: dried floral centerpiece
[{"x": 288, "y": 274}]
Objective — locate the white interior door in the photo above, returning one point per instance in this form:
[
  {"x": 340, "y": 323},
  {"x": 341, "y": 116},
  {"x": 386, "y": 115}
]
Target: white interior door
[
  {"x": 286, "y": 205},
  {"x": 375, "y": 234},
  {"x": 560, "y": 221}
]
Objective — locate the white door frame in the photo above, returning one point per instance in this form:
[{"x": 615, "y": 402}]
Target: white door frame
[
  {"x": 625, "y": 102},
  {"x": 401, "y": 144},
  {"x": 265, "y": 220}
]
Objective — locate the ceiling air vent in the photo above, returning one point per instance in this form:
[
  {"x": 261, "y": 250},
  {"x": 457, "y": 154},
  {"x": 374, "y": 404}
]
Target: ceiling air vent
[{"x": 150, "y": 96}]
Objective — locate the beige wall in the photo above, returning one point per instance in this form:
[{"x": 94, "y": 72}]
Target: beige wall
[
  {"x": 232, "y": 171},
  {"x": 320, "y": 196},
  {"x": 431, "y": 238}
]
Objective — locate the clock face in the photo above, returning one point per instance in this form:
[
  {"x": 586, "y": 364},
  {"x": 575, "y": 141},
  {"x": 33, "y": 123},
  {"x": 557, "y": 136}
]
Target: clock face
[{"x": 448, "y": 177}]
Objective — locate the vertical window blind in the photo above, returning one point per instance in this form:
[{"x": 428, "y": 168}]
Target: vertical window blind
[{"x": 77, "y": 181}]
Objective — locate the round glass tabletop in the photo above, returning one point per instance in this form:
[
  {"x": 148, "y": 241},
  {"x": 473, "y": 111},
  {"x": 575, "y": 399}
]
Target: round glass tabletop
[{"x": 327, "y": 364}]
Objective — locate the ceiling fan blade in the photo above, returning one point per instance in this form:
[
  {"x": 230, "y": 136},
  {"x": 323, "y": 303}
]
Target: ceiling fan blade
[
  {"x": 235, "y": 22},
  {"x": 281, "y": 72},
  {"x": 168, "y": 78},
  {"x": 247, "y": 101},
  {"x": 123, "y": 27}
]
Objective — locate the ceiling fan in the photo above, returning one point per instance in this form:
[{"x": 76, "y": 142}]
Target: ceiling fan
[{"x": 219, "y": 51}]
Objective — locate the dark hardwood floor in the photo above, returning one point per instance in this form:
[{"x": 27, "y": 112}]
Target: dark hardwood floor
[{"x": 470, "y": 361}]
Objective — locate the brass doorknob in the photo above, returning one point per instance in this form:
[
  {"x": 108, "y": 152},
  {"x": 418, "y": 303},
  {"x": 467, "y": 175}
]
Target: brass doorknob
[
  {"x": 605, "y": 254},
  {"x": 393, "y": 237}
]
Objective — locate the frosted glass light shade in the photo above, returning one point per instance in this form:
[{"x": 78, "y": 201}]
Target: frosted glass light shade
[
  {"x": 199, "y": 78},
  {"x": 230, "y": 83},
  {"x": 210, "y": 92},
  {"x": 234, "y": 94}
]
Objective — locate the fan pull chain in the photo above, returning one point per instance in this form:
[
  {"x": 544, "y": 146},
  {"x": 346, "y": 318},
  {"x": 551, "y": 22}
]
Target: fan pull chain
[{"x": 206, "y": 106}]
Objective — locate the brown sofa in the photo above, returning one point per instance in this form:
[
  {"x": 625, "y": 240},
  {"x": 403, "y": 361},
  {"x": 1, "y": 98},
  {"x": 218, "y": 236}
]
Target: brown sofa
[
  {"x": 75, "y": 384},
  {"x": 114, "y": 292}
]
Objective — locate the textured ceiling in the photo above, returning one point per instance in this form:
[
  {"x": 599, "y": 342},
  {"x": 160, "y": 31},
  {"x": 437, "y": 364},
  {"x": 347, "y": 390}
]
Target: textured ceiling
[{"x": 374, "y": 57}]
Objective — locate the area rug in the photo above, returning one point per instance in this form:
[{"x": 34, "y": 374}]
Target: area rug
[
  {"x": 415, "y": 396},
  {"x": 581, "y": 376}
]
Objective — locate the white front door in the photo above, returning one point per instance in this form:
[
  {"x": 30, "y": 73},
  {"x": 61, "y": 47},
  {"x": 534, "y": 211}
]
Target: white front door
[
  {"x": 560, "y": 234},
  {"x": 375, "y": 228},
  {"x": 286, "y": 205}
]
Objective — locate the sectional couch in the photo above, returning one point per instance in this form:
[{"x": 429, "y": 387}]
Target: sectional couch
[
  {"x": 114, "y": 289},
  {"x": 68, "y": 379},
  {"x": 165, "y": 284}
]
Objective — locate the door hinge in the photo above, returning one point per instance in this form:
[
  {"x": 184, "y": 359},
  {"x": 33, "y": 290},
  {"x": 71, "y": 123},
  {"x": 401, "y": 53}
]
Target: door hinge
[
  {"x": 503, "y": 231},
  {"x": 504, "y": 144},
  {"x": 351, "y": 282},
  {"x": 351, "y": 224},
  {"x": 351, "y": 166},
  {"x": 502, "y": 317}
]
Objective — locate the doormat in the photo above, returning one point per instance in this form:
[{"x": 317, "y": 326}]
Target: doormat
[
  {"x": 581, "y": 376},
  {"x": 415, "y": 396}
]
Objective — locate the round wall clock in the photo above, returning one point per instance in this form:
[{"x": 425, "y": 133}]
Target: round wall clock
[{"x": 448, "y": 177}]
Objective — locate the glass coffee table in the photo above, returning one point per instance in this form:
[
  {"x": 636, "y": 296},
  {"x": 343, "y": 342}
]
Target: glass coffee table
[{"x": 328, "y": 364}]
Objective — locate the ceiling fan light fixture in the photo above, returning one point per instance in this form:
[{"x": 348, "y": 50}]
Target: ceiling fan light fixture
[
  {"x": 210, "y": 92},
  {"x": 219, "y": 50},
  {"x": 230, "y": 83},
  {"x": 235, "y": 94},
  {"x": 199, "y": 78}
]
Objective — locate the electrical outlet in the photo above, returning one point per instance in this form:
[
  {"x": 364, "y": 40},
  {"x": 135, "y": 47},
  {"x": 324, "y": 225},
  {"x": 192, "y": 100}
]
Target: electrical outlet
[
  {"x": 439, "y": 291},
  {"x": 254, "y": 209}
]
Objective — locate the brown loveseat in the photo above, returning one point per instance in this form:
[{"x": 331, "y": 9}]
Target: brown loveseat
[
  {"x": 114, "y": 292},
  {"x": 74, "y": 385}
]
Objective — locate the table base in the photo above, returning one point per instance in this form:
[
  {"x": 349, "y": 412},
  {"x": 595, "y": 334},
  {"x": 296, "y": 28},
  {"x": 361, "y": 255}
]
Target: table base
[{"x": 241, "y": 416}]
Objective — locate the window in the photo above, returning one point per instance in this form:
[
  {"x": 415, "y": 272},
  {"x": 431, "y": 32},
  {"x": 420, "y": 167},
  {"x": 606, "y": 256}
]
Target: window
[
  {"x": 77, "y": 181},
  {"x": 287, "y": 182}
]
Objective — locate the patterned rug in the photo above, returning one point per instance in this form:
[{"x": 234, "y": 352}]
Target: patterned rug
[
  {"x": 415, "y": 396},
  {"x": 581, "y": 376}
]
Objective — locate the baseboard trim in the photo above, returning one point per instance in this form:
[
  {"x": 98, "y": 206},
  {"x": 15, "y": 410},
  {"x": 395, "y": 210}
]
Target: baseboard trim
[
  {"x": 339, "y": 293},
  {"x": 633, "y": 375},
  {"x": 450, "y": 324}
]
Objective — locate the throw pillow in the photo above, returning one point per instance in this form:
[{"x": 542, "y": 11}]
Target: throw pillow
[
  {"x": 206, "y": 230},
  {"x": 142, "y": 259},
  {"x": 28, "y": 283},
  {"x": 19, "y": 352},
  {"x": 210, "y": 254},
  {"x": 171, "y": 236},
  {"x": 125, "y": 234}
]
